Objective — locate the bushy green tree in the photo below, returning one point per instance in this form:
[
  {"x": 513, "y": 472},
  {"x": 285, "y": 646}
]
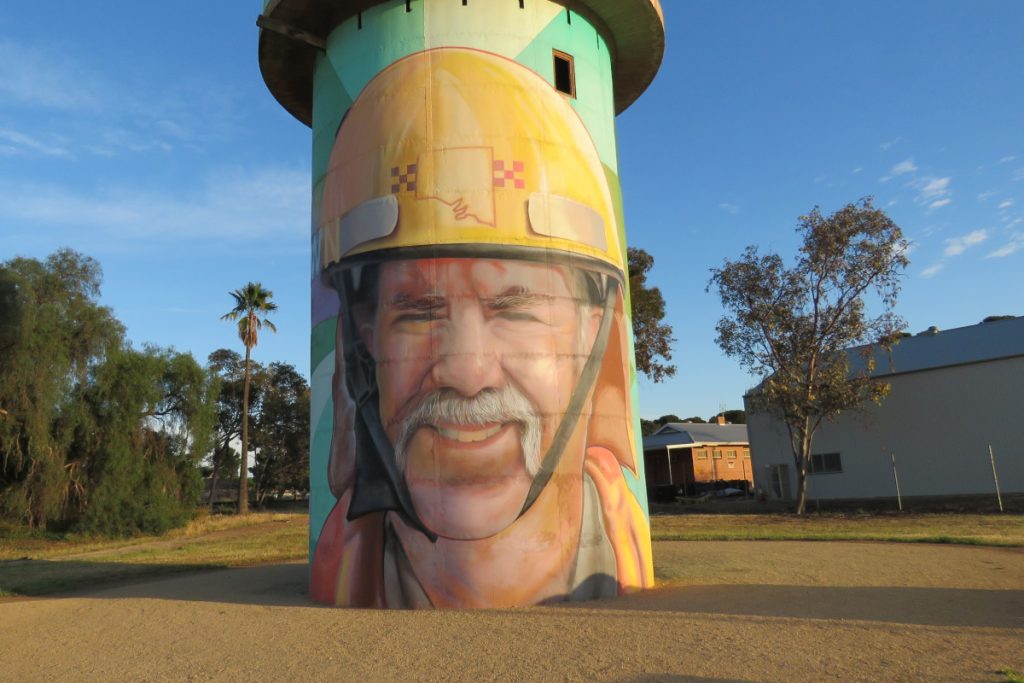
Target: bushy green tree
[
  {"x": 735, "y": 417},
  {"x": 151, "y": 416},
  {"x": 224, "y": 460},
  {"x": 54, "y": 335},
  {"x": 651, "y": 336},
  {"x": 93, "y": 435},
  {"x": 281, "y": 433}
]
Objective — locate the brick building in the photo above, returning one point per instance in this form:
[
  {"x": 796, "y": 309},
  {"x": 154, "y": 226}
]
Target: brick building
[{"x": 690, "y": 458}]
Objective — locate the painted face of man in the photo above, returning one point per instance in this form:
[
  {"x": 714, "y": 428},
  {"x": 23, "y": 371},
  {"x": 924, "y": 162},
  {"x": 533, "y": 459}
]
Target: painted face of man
[{"x": 476, "y": 363}]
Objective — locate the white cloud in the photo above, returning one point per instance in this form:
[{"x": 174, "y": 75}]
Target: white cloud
[
  {"x": 731, "y": 208},
  {"x": 107, "y": 116},
  {"x": 934, "y": 192},
  {"x": 975, "y": 237},
  {"x": 902, "y": 168},
  {"x": 250, "y": 203},
  {"x": 934, "y": 187},
  {"x": 1007, "y": 204},
  {"x": 1005, "y": 250},
  {"x": 933, "y": 270},
  {"x": 22, "y": 143},
  {"x": 887, "y": 145},
  {"x": 1018, "y": 175},
  {"x": 1007, "y": 159},
  {"x": 857, "y": 170},
  {"x": 985, "y": 196},
  {"x": 958, "y": 245},
  {"x": 41, "y": 78}
]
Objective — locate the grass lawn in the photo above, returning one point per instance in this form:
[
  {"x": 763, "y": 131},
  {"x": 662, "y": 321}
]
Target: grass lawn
[
  {"x": 35, "y": 564},
  {"x": 993, "y": 530}
]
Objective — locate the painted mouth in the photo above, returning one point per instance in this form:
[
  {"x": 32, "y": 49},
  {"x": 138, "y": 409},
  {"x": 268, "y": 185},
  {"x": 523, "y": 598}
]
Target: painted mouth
[{"x": 468, "y": 433}]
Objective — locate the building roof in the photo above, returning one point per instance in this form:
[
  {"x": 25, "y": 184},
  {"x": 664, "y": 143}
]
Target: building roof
[
  {"x": 696, "y": 434},
  {"x": 293, "y": 31},
  {"x": 934, "y": 349}
]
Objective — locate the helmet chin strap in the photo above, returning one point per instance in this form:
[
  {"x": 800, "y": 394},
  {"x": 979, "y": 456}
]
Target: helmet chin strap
[
  {"x": 579, "y": 396},
  {"x": 378, "y": 485}
]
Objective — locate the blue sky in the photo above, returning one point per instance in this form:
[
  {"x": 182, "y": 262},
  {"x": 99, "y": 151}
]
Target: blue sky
[{"x": 142, "y": 134}]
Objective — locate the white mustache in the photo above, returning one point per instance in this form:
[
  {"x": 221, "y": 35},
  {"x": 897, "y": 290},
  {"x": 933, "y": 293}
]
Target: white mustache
[{"x": 501, "y": 406}]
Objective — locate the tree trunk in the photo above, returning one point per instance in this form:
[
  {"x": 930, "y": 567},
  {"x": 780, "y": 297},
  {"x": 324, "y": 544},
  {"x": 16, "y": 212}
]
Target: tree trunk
[
  {"x": 243, "y": 475},
  {"x": 213, "y": 488},
  {"x": 802, "y": 465}
]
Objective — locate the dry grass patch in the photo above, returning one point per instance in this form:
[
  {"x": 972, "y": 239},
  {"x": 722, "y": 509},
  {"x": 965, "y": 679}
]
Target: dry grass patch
[
  {"x": 36, "y": 564},
  {"x": 993, "y": 530},
  {"x": 32, "y": 564}
]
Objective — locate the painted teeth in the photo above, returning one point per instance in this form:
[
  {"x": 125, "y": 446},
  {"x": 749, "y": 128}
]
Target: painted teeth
[{"x": 468, "y": 436}]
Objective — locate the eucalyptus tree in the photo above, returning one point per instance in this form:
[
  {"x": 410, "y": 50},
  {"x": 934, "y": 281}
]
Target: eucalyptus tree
[
  {"x": 252, "y": 304},
  {"x": 796, "y": 327}
]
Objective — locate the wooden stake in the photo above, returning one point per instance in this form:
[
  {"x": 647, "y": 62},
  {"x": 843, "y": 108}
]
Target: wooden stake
[
  {"x": 995, "y": 477},
  {"x": 896, "y": 476}
]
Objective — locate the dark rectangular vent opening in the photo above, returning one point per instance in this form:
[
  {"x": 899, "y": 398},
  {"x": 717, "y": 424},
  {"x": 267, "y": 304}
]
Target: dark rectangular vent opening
[{"x": 565, "y": 73}]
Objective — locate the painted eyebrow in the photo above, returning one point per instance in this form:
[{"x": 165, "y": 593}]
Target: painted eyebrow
[
  {"x": 427, "y": 302},
  {"x": 517, "y": 297}
]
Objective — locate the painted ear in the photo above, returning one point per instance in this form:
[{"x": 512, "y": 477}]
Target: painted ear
[
  {"x": 342, "y": 458},
  {"x": 611, "y": 422}
]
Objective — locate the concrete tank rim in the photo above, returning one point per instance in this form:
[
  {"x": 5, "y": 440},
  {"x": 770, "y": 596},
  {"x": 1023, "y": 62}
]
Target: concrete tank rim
[{"x": 634, "y": 30}]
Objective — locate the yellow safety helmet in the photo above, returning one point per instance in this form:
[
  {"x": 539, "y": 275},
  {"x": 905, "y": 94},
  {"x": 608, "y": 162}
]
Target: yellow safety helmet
[
  {"x": 459, "y": 153},
  {"x": 464, "y": 151}
]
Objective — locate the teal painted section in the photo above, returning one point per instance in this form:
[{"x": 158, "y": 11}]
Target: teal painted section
[
  {"x": 637, "y": 484},
  {"x": 321, "y": 500},
  {"x": 323, "y": 341},
  {"x": 330, "y": 102},
  {"x": 594, "y": 86},
  {"x": 388, "y": 33}
]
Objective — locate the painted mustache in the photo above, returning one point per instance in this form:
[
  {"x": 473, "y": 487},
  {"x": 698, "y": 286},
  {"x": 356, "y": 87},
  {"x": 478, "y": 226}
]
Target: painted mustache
[{"x": 490, "y": 407}]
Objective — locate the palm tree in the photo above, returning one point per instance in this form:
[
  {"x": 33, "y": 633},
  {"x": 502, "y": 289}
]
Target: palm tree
[{"x": 251, "y": 302}]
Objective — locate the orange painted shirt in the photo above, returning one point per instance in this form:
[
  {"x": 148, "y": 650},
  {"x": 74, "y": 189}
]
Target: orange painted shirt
[{"x": 348, "y": 562}]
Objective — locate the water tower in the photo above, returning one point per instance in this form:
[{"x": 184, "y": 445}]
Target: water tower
[{"x": 475, "y": 436}]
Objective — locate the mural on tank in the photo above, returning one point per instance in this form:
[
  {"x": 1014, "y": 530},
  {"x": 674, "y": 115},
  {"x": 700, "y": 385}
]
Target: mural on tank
[{"x": 482, "y": 446}]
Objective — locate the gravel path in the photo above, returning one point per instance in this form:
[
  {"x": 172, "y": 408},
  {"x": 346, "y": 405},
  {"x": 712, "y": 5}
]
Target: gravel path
[{"x": 736, "y": 611}]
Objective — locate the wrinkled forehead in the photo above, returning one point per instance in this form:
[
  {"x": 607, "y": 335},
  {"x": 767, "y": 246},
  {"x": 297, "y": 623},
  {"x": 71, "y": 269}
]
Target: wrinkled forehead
[{"x": 482, "y": 278}]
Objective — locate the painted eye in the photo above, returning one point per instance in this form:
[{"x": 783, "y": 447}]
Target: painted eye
[
  {"x": 419, "y": 317},
  {"x": 519, "y": 316}
]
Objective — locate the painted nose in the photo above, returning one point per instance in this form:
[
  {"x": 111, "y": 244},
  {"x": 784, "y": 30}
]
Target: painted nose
[{"x": 467, "y": 357}]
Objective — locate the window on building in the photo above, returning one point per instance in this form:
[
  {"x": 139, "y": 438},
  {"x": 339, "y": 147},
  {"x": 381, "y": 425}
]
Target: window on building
[
  {"x": 565, "y": 73},
  {"x": 702, "y": 454},
  {"x": 825, "y": 463},
  {"x": 731, "y": 454},
  {"x": 718, "y": 454}
]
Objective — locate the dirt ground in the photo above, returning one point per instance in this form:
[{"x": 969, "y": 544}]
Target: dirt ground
[{"x": 726, "y": 611}]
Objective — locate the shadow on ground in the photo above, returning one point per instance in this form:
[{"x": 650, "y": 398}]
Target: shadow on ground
[
  {"x": 898, "y": 605},
  {"x": 288, "y": 585},
  {"x": 28, "y": 577}
]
